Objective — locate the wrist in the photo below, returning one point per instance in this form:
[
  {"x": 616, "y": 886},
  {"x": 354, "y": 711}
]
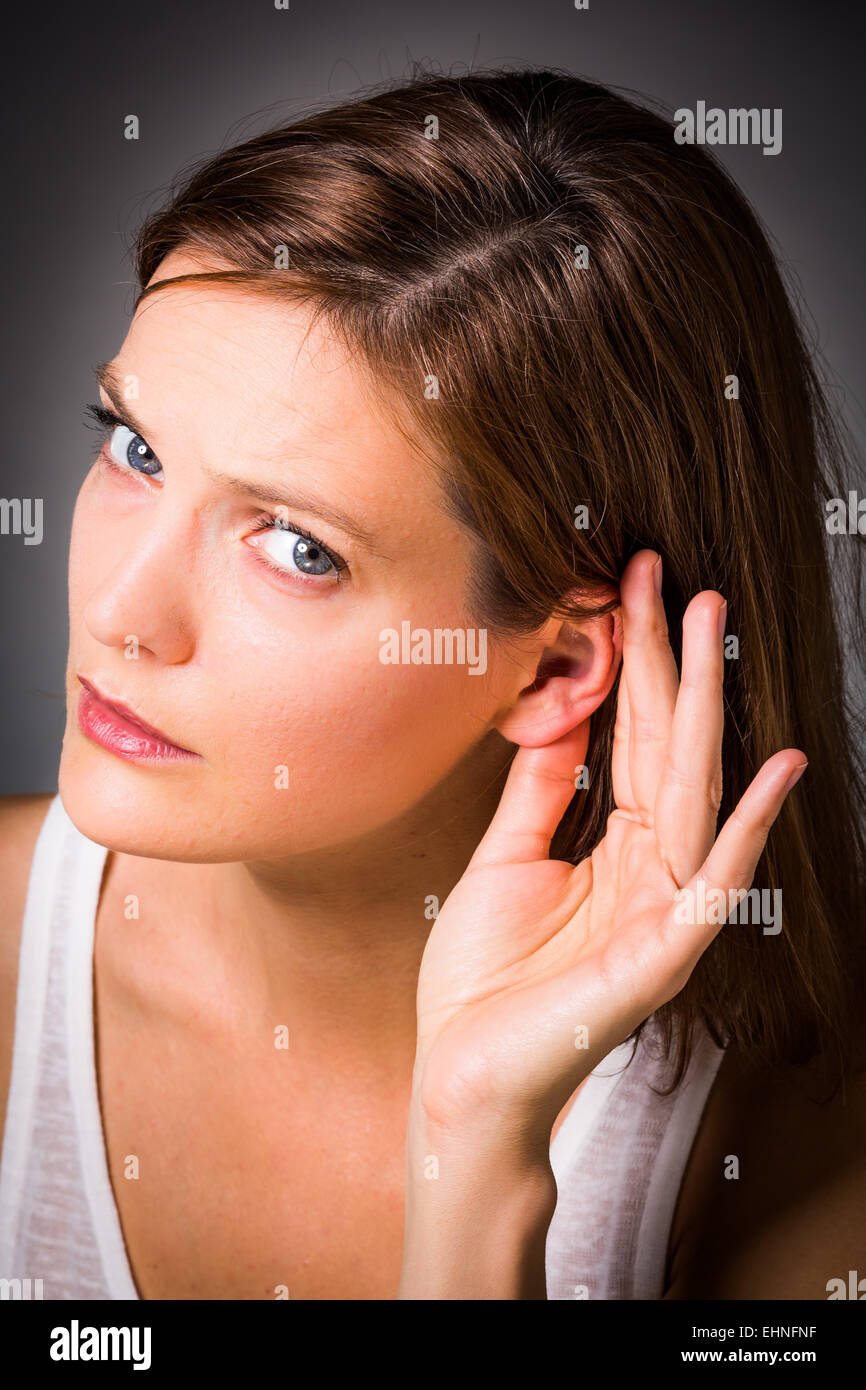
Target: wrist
[
  {"x": 479, "y": 1109},
  {"x": 479, "y": 1134},
  {"x": 479, "y": 1201}
]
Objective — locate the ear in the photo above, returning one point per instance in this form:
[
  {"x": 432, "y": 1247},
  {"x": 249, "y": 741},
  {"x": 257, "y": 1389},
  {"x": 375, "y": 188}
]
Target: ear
[{"x": 575, "y": 673}]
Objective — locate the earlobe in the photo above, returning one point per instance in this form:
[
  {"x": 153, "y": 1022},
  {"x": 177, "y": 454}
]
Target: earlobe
[{"x": 574, "y": 675}]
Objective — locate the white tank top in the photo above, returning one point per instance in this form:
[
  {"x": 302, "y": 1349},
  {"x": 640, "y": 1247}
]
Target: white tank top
[{"x": 618, "y": 1157}]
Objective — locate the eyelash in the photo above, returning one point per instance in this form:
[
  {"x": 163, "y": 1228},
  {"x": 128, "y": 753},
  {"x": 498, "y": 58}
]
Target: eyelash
[{"x": 105, "y": 421}]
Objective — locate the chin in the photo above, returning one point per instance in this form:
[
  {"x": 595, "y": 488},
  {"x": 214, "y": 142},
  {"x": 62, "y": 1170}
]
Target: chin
[{"x": 130, "y": 808}]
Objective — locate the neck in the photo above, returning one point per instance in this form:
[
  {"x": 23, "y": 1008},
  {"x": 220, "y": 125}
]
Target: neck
[{"x": 329, "y": 938}]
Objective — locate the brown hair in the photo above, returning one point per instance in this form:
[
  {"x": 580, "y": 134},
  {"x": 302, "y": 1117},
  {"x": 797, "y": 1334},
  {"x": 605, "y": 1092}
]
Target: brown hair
[{"x": 453, "y": 254}]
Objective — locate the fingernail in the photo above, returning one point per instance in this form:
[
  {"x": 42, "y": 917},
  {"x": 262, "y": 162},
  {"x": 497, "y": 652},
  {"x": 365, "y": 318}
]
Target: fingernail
[
  {"x": 657, "y": 575},
  {"x": 795, "y": 776},
  {"x": 723, "y": 618}
]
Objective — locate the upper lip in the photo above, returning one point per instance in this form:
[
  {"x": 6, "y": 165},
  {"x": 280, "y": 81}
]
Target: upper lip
[{"x": 131, "y": 715}]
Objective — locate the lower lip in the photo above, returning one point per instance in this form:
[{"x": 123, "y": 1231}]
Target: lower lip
[{"x": 112, "y": 730}]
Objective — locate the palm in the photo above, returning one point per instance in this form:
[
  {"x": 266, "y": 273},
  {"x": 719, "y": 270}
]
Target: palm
[{"x": 536, "y": 969}]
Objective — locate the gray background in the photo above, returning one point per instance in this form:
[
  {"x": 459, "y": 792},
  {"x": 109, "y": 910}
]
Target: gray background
[{"x": 203, "y": 74}]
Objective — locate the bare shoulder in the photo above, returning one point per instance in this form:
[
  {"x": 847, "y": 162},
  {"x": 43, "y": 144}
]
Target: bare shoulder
[
  {"x": 21, "y": 819},
  {"x": 773, "y": 1198}
]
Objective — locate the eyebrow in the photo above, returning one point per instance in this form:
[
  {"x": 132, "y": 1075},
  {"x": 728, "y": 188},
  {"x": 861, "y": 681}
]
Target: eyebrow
[{"x": 106, "y": 377}]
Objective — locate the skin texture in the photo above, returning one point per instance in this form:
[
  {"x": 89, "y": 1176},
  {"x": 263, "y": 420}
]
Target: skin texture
[{"x": 261, "y": 907}]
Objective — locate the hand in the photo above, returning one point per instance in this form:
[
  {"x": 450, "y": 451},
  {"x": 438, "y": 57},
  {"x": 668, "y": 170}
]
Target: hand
[{"x": 536, "y": 969}]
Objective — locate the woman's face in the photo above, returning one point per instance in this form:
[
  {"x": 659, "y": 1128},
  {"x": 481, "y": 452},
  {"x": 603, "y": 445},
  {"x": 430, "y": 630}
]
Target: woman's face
[{"x": 242, "y": 642}]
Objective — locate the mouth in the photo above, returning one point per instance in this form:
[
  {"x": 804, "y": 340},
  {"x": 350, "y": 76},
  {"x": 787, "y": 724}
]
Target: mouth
[{"x": 114, "y": 726}]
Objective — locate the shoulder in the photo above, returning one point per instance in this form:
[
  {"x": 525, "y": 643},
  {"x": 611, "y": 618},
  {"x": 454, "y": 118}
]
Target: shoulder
[
  {"x": 21, "y": 819},
  {"x": 773, "y": 1198}
]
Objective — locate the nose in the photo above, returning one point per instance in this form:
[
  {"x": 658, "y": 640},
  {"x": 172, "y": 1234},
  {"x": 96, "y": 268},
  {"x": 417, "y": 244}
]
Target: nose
[{"x": 144, "y": 597}]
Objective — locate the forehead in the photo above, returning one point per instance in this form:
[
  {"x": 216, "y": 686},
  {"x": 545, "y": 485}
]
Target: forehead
[
  {"x": 240, "y": 355},
  {"x": 233, "y": 374}
]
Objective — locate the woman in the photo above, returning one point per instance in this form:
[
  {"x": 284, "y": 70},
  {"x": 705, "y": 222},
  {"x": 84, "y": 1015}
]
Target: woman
[{"x": 458, "y": 521}]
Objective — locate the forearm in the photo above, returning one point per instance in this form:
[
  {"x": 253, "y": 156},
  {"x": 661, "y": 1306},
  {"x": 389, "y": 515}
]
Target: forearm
[{"x": 478, "y": 1206}]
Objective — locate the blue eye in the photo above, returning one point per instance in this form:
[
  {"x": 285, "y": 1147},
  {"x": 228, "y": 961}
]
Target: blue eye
[
  {"x": 290, "y": 549},
  {"x": 288, "y": 546},
  {"x": 131, "y": 449}
]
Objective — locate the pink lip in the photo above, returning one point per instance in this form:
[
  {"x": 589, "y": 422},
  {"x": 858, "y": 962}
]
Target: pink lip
[{"x": 115, "y": 727}]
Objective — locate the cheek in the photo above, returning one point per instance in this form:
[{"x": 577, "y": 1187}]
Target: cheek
[
  {"x": 98, "y": 541},
  {"x": 363, "y": 741},
  {"x": 90, "y": 558}
]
